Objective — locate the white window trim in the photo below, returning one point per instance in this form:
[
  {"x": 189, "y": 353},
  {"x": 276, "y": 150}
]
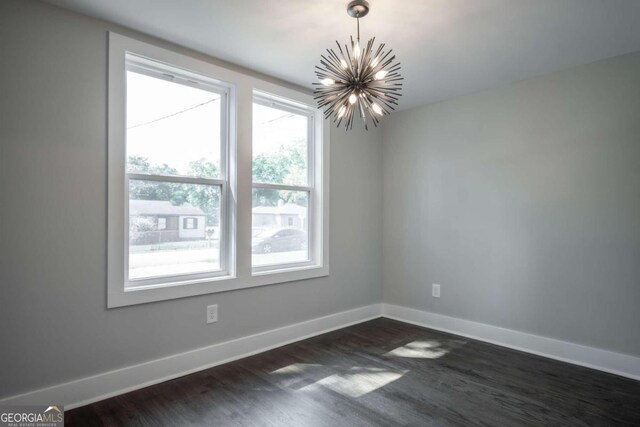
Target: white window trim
[
  {"x": 314, "y": 250},
  {"x": 144, "y": 66},
  {"x": 239, "y": 274}
]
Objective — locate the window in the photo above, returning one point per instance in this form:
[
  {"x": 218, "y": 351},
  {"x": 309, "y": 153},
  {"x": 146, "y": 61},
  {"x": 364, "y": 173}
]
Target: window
[
  {"x": 183, "y": 134},
  {"x": 191, "y": 224},
  {"x": 283, "y": 189},
  {"x": 175, "y": 142}
]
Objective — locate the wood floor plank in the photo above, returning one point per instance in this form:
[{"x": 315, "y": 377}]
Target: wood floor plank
[{"x": 379, "y": 373}]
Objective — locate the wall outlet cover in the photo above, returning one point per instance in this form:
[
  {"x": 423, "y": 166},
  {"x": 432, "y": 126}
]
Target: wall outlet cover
[
  {"x": 212, "y": 313},
  {"x": 435, "y": 290}
]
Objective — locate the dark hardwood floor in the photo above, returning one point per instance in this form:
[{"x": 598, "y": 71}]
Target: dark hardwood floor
[{"x": 379, "y": 373}]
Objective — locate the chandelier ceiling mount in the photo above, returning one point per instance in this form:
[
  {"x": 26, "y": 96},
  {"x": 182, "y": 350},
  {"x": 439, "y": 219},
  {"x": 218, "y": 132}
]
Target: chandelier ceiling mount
[{"x": 358, "y": 8}]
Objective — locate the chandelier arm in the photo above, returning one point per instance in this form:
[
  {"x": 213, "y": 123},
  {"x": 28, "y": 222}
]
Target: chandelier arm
[
  {"x": 340, "y": 101},
  {"x": 332, "y": 70},
  {"x": 369, "y": 108},
  {"x": 387, "y": 83},
  {"x": 383, "y": 108},
  {"x": 361, "y": 108},
  {"x": 340, "y": 48},
  {"x": 382, "y": 97},
  {"x": 388, "y": 60},
  {"x": 339, "y": 60},
  {"x": 395, "y": 68},
  {"x": 386, "y": 99},
  {"x": 334, "y": 97},
  {"x": 348, "y": 56},
  {"x": 328, "y": 60},
  {"x": 384, "y": 103},
  {"x": 366, "y": 58},
  {"x": 334, "y": 56},
  {"x": 382, "y": 83},
  {"x": 379, "y": 50},
  {"x": 346, "y": 121},
  {"x": 330, "y": 89},
  {"x": 382, "y": 63},
  {"x": 356, "y": 63},
  {"x": 390, "y": 102},
  {"x": 392, "y": 77},
  {"x": 335, "y": 63}
]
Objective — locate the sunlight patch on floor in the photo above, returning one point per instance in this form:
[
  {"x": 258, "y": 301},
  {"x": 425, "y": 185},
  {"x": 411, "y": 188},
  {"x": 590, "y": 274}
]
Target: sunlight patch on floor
[
  {"x": 431, "y": 349},
  {"x": 295, "y": 368},
  {"x": 357, "y": 381}
]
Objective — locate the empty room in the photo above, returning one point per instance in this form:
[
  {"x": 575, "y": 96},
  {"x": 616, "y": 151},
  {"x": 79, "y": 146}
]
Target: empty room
[{"x": 319, "y": 213}]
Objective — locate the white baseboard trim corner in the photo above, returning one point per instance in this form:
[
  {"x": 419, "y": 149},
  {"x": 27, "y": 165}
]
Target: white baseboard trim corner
[
  {"x": 91, "y": 389},
  {"x": 590, "y": 357}
]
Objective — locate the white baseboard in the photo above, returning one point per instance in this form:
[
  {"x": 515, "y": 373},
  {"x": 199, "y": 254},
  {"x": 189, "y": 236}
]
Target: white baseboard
[
  {"x": 590, "y": 357},
  {"x": 108, "y": 384}
]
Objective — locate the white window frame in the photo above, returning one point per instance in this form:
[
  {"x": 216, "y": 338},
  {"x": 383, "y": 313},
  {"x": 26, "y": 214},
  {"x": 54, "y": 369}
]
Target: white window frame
[
  {"x": 238, "y": 272},
  {"x": 314, "y": 250},
  {"x": 151, "y": 68}
]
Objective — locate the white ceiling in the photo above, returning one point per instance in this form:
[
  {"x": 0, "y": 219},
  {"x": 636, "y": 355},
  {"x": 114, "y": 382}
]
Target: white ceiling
[{"x": 447, "y": 47}]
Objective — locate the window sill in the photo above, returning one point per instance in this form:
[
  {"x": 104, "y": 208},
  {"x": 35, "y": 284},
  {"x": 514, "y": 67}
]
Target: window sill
[{"x": 145, "y": 294}]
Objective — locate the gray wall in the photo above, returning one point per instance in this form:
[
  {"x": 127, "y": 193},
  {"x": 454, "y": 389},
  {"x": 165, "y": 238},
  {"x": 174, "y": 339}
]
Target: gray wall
[
  {"x": 54, "y": 326},
  {"x": 523, "y": 202}
]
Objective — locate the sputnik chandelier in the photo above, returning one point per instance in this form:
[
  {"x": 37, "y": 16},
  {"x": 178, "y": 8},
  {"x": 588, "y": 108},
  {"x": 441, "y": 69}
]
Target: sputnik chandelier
[{"x": 356, "y": 80}]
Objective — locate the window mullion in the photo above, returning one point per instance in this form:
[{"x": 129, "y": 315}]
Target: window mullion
[
  {"x": 281, "y": 187},
  {"x": 176, "y": 179}
]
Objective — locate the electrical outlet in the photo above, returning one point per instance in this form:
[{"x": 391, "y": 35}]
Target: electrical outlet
[
  {"x": 435, "y": 290},
  {"x": 212, "y": 313}
]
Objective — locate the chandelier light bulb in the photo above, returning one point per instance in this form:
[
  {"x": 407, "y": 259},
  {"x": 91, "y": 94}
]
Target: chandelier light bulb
[
  {"x": 358, "y": 80},
  {"x": 381, "y": 74}
]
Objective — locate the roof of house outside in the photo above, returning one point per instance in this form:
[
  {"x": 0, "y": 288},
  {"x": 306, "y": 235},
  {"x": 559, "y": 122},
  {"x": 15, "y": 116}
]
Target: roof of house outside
[
  {"x": 286, "y": 209},
  {"x": 159, "y": 207}
]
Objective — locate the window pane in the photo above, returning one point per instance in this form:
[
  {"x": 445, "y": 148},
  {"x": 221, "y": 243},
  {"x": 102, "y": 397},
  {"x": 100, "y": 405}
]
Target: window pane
[
  {"x": 280, "y": 233},
  {"x": 174, "y": 228},
  {"x": 172, "y": 129},
  {"x": 280, "y": 146}
]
